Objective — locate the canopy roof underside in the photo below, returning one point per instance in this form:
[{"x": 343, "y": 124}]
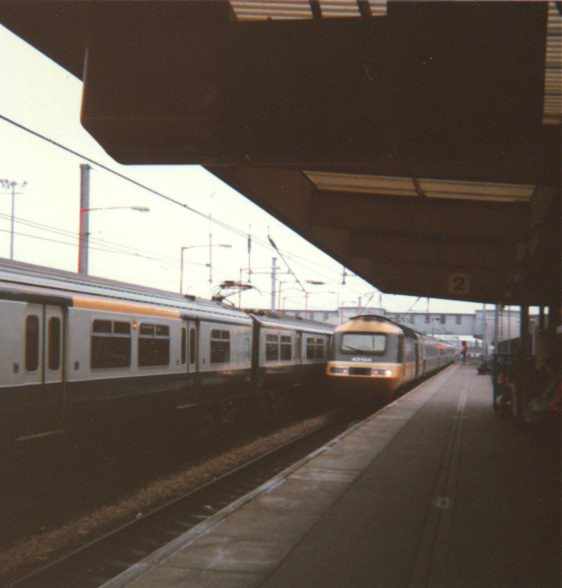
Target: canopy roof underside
[{"x": 416, "y": 142}]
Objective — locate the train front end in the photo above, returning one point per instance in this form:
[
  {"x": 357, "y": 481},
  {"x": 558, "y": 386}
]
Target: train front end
[{"x": 364, "y": 362}]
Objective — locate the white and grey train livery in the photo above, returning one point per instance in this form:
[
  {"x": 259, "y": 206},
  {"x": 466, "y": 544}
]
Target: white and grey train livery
[{"x": 77, "y": 351}]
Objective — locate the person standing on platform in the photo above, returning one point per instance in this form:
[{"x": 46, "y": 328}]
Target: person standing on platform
[{"x": 464, "y": 351}]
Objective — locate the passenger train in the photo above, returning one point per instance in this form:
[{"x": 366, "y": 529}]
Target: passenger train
[
  {"x": 372, "y": 356},
  {"x": 79, "y": 353}
]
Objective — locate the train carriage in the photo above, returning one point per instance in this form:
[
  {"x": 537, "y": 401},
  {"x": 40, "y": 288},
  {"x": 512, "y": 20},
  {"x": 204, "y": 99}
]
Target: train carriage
[
  {"x": 78, "y": 352},
  {"x": 289, "y": 352}
]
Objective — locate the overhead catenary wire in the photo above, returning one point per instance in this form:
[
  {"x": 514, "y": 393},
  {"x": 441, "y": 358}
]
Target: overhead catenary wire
[
  {"x": 71, "y": 244},
  {"x": 124, "y": 177},
  {"x": 313, "y": 266},
  {"x": 152, "y": 191},
  {"x": 366, "y": 305},
  {"x": 71, "y": 234},
  {"x": 286, "y": 263},
  {"x": 97, "y": 244},
  {"x": 95, "y": 248},
  {"x": 414, "y": 303},
  {"x": 94, "y": 240}
]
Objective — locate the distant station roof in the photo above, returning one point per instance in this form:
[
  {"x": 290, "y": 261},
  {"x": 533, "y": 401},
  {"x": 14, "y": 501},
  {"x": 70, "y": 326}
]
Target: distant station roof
[{"x": 416, "y": 142}]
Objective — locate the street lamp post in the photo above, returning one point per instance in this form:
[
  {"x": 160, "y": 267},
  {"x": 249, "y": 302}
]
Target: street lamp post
[
  {"x": 84, "y": 234},
  {"x": 210, "y": 245},
  {"x": 12, "y": 186}
]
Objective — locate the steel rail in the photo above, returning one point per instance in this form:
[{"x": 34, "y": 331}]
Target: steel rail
[{"x": 35, "y": 578}]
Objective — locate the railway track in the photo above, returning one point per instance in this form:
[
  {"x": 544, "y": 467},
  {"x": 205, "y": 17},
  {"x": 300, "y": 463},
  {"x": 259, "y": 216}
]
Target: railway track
[
  {"x": 109, "y": 471},
  {"x": 108, "y": 555}
]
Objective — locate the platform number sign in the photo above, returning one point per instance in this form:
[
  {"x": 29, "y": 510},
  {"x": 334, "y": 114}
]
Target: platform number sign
[{"x": 459, "y": 284}]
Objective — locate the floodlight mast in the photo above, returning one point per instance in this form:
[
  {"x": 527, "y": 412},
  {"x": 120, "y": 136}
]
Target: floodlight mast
[{"x": 12, "y": 186}]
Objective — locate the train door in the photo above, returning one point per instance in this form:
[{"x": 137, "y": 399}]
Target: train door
[
  {"x": 408, "y": 358},
  {"x": 296, "y": 358},
  {"x": 186, "y": 397},
  {"x": 193, "y": 347},
  {"x": 53, "y": 357},
  {"x": 418, "y": 350},
  {"x": 29, "y": 372},
  {"x": 41, "y": 370},
  {"x": 402, "y": 357},
  {"x": 298, "y": 348}
]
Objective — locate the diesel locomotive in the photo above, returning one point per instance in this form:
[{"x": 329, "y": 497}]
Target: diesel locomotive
[{"x": 372, "y": 356}]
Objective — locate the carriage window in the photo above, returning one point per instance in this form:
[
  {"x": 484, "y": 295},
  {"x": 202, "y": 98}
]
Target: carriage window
[
  {"x": 122, "y": 328},
  {"x": 372, "y": 343},
  {"x": 110, "y": 352},
  {"x": 430, "y": 351},
  {"x": 459, "y": 319},
  {"x": 110, "y": 344},
  {"x": 183, "y": 345},
  {"x": 146, "y": 329},
  {"x": 192, "y": 346},
  {"x": 100, "y": 326},
  {"x": 154, "y": 345},
  {"x": 409, "y": 350},
  {"x": 31, "y": 343},
  {"x": 220, "y": 346},
  {"x": 286, "y": 348},
  {"x": 310, "y": 348},
  {"x": 218, "y": 334},
  {"x": 272, "y": 347},
  {"x": 320, "y": 352},
  {"x": 54, "y": 343}
]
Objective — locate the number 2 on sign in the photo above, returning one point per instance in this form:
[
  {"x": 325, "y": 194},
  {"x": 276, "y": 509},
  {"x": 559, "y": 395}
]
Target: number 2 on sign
[{"x": 459, "y": 284}]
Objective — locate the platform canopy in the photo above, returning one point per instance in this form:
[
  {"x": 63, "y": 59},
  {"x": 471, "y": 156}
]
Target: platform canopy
[{"x": 416, "y": 142}]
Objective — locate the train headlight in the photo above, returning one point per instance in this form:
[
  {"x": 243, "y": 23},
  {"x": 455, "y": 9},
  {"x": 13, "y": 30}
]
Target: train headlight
[
  {"x": 338, "y": 370},
  {"x": 383, "y": 373},
  {"x": 387, "y": 373}
]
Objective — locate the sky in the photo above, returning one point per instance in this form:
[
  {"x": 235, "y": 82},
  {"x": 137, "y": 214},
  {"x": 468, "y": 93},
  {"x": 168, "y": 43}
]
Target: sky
[{"x": 144, "y": 247}]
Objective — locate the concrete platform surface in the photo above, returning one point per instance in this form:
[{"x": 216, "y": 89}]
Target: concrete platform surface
[{"x": 432, "y": 491}]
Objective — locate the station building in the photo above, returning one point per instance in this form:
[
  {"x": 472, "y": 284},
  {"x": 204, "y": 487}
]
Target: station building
[{"x": 479, "y": 325}]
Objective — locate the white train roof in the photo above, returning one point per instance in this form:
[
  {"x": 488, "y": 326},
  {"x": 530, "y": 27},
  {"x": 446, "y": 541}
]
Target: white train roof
[
  {"x": 272, "y": 321},
  {"x": 60, "y": 286}
]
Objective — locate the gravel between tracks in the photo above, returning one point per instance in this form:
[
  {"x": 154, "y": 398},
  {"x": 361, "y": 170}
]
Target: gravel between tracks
[{"x": 38, "y": 549}]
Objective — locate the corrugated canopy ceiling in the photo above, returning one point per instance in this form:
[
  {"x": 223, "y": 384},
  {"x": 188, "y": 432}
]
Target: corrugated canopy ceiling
[{"x": 245, "y": 10}]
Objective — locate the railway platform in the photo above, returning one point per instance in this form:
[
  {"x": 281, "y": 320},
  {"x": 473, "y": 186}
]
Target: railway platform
[{"x": 433, "y": 491}]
